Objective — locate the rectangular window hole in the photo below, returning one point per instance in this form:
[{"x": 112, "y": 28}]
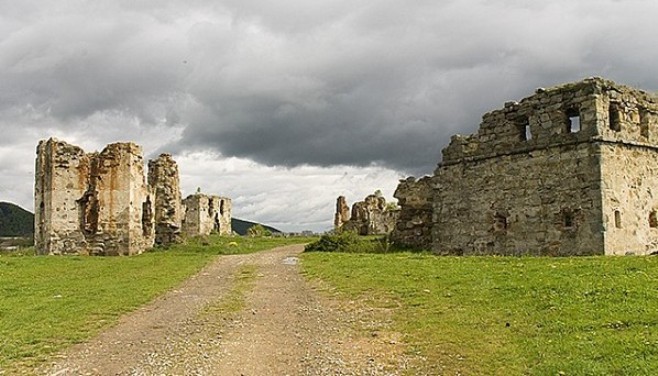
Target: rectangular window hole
[
  {"x": 614, "y": 117},
  {"x": 617, "y": 219},
  {"x": 644, "y": 122},
  {"x": 568, "y": 219},
  {"x": 653, "y": 219},
  {"x": 573, "y": 125},
  {"x": 500, "y": 222},
  {"x": 523, "y": 126}
]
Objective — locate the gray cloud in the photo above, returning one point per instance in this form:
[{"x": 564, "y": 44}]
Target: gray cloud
[
  {"x": 388, "y": 83},
  {"x": 295, "y": 83}
]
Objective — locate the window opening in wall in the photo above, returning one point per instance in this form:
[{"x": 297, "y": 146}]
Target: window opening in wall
[
  {"x": 221, "y": 207},
  {"x": 653, "y": 219},
  {"x": 88, "y": 209},
  {"x": 614, "y": 117},
  {"x": 211, "y": 207},
  {"x": 617, "y": 219},
  {"x": 500, "y": 222},
  {"x": 573, "y": 124},
  {"x": 568, "y": 219},
  {"x": 644, "y": 122},
  {"x": 147, "y": 216},
  {"x": 524, "y": 129}
]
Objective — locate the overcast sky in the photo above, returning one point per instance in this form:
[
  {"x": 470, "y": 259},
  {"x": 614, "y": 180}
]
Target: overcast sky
[{"x": 284, "y": 105}]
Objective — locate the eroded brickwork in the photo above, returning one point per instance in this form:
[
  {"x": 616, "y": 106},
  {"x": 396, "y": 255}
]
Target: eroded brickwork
[
  {"x": 570, "y": 170},
  {"x": 205, "y": 214}
]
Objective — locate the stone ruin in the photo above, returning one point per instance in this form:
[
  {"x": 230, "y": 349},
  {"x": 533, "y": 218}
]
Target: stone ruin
[
  {"x": 570, "y": 170},
  {"x": 101, "y": 204},
  {"x": 415, "y": 201},
  {"x": 205, "y": 214},
  {"x": 165, "y": 183},
  {"x": 368, "y": 217}
]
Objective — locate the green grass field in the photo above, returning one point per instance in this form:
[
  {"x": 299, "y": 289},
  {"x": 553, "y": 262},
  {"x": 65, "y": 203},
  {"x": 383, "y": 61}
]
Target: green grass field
[
  {"x": 50, "y": 302},
  {"x": 509, "y": 315}
]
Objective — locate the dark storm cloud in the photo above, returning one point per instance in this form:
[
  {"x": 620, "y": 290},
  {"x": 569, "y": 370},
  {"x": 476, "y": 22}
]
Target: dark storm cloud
[
  {"x": 297, "y": 82},
  {"x": 390, "y": 82}
]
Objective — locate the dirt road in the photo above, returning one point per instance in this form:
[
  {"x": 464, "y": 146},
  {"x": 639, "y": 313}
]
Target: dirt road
[{"x": 281, "y": 326}]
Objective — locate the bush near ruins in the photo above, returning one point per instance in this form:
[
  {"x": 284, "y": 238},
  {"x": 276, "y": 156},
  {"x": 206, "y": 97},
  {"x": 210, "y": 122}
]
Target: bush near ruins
[
  {"x": 351, "y": 242},
  {"x": 258, "y": 230}
]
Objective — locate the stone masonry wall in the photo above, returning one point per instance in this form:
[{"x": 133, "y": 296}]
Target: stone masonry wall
[
  {"x": 164, "y": 179},
  {"x": 629, "y": 165},
  {"x": 630, "y": 202},
  {"x": 62, "y": 172},
  {"x": 414, "y": 225},
  {"x": 520, "y": 204}
]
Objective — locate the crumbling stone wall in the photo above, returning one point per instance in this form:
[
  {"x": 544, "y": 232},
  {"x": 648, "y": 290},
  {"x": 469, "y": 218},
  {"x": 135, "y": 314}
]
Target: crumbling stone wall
[
  {"x": 164, "y": 179},
  {"x": 95, "y": 203},
  {"x": 567, "y": 171},
  {"x": 414, "y": 225},
  {"x": 368, "y": 217},
  {"x": 205, "y": 214}
]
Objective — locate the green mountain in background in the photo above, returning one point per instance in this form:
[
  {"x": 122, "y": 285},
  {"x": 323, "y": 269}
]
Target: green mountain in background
[
  {"x": 15, "y": 221},
  {"x": 240, "y": 227}
]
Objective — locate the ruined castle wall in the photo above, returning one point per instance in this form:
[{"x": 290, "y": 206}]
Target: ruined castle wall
[
  {"x": 205, "y": 214},
  {"x": 164, "y": 181},
  {"x": 61, "y": 178},
  {"x": 529, "y": 182},
  {"x": 521, "y": 204},
  {"x": 91, "y": 203},
  {"x": 369, "y": 217},
  {"x": 630, "y": 201},
  {"x": 223, "y": 216},
  {"x": 414, "y": 224},
  {"x": 124, "y": 226},
  {"x": 342, "y": 214}
]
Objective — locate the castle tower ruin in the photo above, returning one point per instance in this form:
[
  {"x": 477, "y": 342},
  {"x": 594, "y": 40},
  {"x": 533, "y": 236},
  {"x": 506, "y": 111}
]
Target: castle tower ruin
[
  {"x": 205, "y": 214},
  {"x": 569, "y": 170},
  {"x": 164, "y": 179},
  {"x": 96, "y": 203},
  {"x": 368, "y": 217},
  {"x": 342, "y": 212}
]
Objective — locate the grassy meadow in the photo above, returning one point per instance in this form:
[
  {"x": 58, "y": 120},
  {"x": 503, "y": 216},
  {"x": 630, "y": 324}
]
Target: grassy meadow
[
  {"x": 50, "y": 302},
  {"x": 509, "y": 315}
]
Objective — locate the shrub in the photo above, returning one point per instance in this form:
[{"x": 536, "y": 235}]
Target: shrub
[
  {"x": 258, "y": 230},
  {"x": 347, "y": 241}
]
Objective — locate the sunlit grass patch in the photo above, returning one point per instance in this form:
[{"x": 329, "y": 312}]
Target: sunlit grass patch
[
  {"x": 50, "y": 302},
  {"x": 508, "y": 315}
]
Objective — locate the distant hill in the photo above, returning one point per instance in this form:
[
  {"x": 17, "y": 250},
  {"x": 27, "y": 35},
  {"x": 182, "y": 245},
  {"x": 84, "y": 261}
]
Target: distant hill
[
  {"x": 15, "y": 221},
  {"x": 241, "y": 227}
]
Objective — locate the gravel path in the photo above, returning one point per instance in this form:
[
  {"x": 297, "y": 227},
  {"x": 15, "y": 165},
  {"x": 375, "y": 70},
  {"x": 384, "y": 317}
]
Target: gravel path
[{"x": 285, "y": 328}]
